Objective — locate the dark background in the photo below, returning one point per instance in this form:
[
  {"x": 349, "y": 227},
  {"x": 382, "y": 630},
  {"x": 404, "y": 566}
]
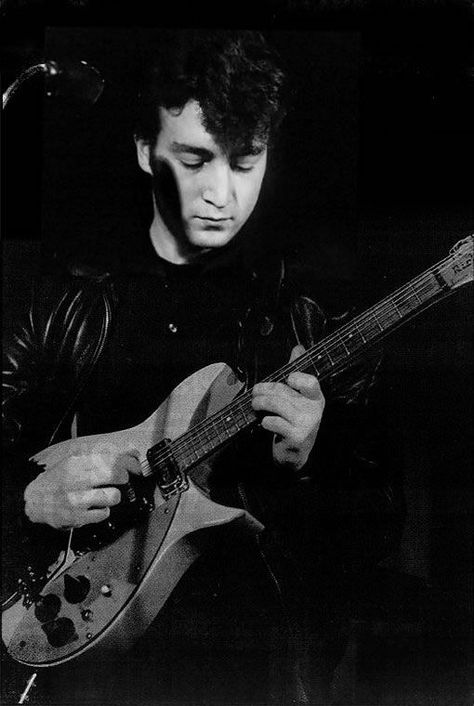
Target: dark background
[{"x": 373, "y": 180}]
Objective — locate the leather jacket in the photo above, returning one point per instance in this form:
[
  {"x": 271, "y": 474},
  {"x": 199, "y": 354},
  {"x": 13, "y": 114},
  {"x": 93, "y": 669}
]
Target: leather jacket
[
  {"x": 50, "y": 361},
  {"x": 53, "y": 352}
]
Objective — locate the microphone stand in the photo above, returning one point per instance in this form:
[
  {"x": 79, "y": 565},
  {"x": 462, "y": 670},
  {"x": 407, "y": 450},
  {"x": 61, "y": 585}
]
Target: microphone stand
[
  {"x": 51, "y": 70},
  {"x": 30, "y": 683}
]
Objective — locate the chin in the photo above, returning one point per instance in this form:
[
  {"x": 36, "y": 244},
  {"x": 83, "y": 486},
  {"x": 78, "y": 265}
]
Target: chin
[{"x": 211, "y": 238}]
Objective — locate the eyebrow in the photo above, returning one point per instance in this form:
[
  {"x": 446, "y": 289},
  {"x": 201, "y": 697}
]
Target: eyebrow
[{"x": 183, "y": 148}]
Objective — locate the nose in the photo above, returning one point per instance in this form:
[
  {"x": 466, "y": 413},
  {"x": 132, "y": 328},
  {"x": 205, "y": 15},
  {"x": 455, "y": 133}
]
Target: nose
[{"x": 218, "y": 186}]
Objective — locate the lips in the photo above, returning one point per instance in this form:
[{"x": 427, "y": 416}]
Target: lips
[{"x": 212, "y": 219}]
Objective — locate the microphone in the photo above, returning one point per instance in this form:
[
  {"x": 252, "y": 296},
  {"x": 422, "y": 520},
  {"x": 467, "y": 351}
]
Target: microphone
[{"x": 76, "y": 80}]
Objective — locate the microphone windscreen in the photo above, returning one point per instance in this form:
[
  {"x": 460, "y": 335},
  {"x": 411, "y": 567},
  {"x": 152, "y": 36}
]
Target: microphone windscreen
[{"x": 76, "y": 80}]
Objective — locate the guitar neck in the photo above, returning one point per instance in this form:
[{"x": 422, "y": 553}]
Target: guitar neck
[
  {"x": 334, "y": 353},
  {"x": 338, "y": 350}
]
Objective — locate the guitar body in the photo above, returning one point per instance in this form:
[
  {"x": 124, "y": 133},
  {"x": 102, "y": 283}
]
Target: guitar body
[{"x": 127, "y": 582}]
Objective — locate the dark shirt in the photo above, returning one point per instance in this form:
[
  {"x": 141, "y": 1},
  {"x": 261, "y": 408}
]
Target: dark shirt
[{"x": 171, "y": 320}]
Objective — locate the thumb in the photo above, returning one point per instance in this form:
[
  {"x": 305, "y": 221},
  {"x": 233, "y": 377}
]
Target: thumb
[
  {"x": 297, "y": 352},
  {"x": 130, "y": 462}
]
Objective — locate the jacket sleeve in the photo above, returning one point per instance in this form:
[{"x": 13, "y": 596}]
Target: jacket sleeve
[
  {"x": 353, "y": 477},
  {"x": 24, "y": 429},
  {"x": 346, "y": 507},
  {"x": 46, "y": 357}
]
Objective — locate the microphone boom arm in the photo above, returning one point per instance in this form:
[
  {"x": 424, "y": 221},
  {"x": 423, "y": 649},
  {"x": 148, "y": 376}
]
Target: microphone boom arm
[
  {"x": 46, "y": 67},
  {"x": 78, "y": 79}
]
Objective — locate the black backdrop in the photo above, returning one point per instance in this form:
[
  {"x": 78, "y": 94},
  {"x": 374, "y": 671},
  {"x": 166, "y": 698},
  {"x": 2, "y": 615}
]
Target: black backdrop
[{"x": 373, "y": 179}]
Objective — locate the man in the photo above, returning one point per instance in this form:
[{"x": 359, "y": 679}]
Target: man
[{"x": 245, "y": 625}]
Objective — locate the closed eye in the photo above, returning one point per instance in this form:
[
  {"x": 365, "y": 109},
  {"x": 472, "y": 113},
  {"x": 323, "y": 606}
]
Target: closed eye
[
  {"x": 193, "y": 166},
  {"x": 243, "y": 167}
]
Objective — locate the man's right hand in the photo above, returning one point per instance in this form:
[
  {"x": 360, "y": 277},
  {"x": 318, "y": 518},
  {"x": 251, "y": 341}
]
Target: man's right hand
[{"x": 80, "y": 490}]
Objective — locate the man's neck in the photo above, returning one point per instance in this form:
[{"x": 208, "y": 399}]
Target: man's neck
[{"x": 168, "y": 247}]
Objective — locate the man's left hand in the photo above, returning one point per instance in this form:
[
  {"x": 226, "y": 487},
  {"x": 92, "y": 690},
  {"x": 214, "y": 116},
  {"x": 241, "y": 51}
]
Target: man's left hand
[{"x": 295, "y": 410}]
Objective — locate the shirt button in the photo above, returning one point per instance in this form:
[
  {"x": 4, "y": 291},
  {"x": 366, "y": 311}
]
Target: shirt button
[{"x": 173, "y": 328}]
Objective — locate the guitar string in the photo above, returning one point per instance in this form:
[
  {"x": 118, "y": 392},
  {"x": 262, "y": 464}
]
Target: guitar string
[
  {"x": 207, "y": 425},
  {"x": 388, "y": 304},
  {"x": 339, "y": 335},
  {"x": 200, "y": 431}
]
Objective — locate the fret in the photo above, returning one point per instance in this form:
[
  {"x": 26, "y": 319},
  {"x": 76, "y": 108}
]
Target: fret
[
  {"x": 235, "y": 420},
  {"x": 240, "y": 417},
  {"x": 319, "y": 358},
  {"x": 325, "y": 360},
  {"x": 415, "y": 293},
  {"x": 309, "y": 365},
  {"x": 377, "y": 320},
  {"x": 351, "y": 340},
  {"x": 360, "y": 332},
  {"x": 427, "y": 288},
  {"x": 205, "y": 448},
  {"x": 225, "y": 424},
  {"x": 246, "y": 416},
  {"x": 219, "y": 433},
  {"x": 386, "y": 314},
  {"x": 346, "y": 349},
  {"x": 203, "y": 436},
  {"x": 327, "y": 353},
  {"x": 207, "y": 431},
  {"x": 421, "y": 291},
  {"x": 202, "y": 441},
  {"x": 185, "y": 456},
  {"x": 394, "y": 304},
  {"x": 405, "y": 306},
  {"x": 338, "y": 349},
  {"x": 211, "y": 445},
  {"x": 243, "y": 414},
  {"x": 194, "y": 451}
]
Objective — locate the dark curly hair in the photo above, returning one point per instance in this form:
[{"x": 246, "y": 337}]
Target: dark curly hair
[{"x": 233, "y": 75}]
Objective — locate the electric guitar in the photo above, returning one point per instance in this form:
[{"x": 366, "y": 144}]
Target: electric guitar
[{"x": 102, "y": 594}]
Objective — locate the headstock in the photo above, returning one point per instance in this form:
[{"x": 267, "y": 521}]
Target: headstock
[{"x": 457, "y": 269}]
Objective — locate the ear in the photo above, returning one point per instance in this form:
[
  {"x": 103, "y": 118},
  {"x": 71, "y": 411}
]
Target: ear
[{"x": 143, "y": 155}]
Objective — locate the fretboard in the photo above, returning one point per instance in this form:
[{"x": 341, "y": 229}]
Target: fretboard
[{"x": 332, "y": 354}]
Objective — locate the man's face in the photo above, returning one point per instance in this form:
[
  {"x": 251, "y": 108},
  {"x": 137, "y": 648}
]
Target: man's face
[{"x": 217, "y": 189}]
